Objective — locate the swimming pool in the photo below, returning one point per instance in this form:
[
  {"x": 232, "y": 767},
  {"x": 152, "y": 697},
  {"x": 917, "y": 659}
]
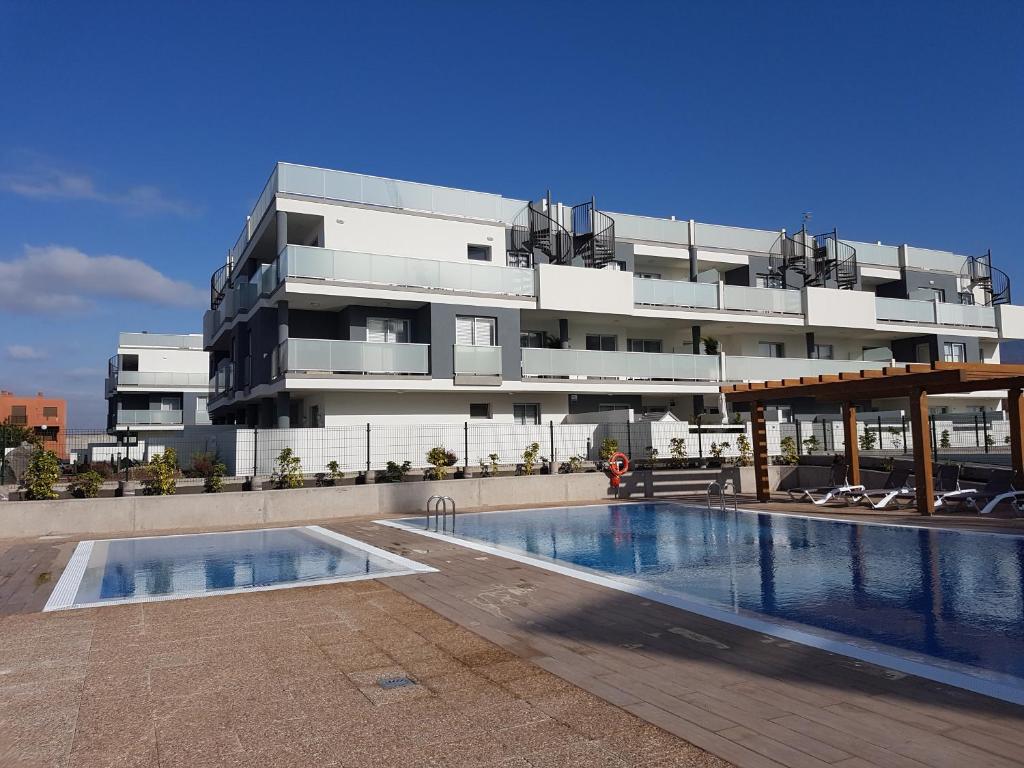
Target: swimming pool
[
  {"x": 947, "y": 605},
  {"x": 152, "y": 568}
]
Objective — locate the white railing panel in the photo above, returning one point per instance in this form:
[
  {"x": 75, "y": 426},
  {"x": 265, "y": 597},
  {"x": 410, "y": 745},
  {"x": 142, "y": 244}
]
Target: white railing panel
[
  {"x": 171, "y": 340},
  {"x": 161, "y": 379},
  {"x": 771, "y": 300},
  {"x": 735, "y": 238},
  {"x": 969, "y": 315},
  {"x": 622, "y": 365},
  {"x": 152, "y": 418},
  {"x": 743, "y": 368},
  {"x": 928, "y": 259},
  {"x": 477, "y": 360},
  {"x": 675, "y": 293},
  {"x": 875, "y": 255},
  {"x": 904, "y": 310},
  {"x": 331, "y": 356}
]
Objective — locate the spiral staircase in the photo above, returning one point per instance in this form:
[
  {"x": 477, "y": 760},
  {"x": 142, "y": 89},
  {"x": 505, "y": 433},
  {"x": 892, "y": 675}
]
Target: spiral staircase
[
  {"x": 822, "y": 261},
  {"x": 978, "y": 273},
  {"x": 536, "y": 234}
]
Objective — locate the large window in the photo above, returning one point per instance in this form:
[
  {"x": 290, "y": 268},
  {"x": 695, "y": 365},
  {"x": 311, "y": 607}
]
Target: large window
[
  {"x": 531, "y": 339},
  {"x": 823, "y": 352},
  {"x": 387, "y": 330},
  {"x": 771, "y": 349},
  {"x": 643, "y": 345},
  {"x": 475, "y": 331},
  {"x": 954, "y": 352},
  {"x": 49, "y": 412},
  {"x": 19, "y": 415},
  {"x": 602, "y": 342},
  {"x": 526, "y": 413},
  {"x": 479, "y": 410},
  {"x": 478, "y": 252}
]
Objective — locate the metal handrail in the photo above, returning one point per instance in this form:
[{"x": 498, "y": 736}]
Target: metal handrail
[
  {"x": 440, "y": 518},
  {"x": 718, "y": 490}
]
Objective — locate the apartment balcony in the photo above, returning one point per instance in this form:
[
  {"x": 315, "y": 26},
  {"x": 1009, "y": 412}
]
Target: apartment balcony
[
  {"x": 477, "y": 364},
  {"x": 632, "y": 366},
  {"x": 140, "y": 418},
  {"x": 161, "y": 340},
  {"x": 677, "y": 294},
  {"x": 934, "y": 313},
  {"x": 144, "y": 380},
  {"x": 353, "y": 358},
  {"x": 743, "y": 368}
]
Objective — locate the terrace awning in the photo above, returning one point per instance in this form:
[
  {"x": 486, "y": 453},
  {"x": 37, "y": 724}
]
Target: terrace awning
[{"x": 914, "y": 381}]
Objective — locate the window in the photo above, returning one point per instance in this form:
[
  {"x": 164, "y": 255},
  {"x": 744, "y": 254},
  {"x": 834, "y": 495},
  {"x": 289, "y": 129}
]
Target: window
[
  {"x": 601, "y": 407},
  {"x": 923, "y": 352},
  {"x": 929, "y": 294},
  {"x": 648, "y": 275},
  {"x": 768, "y": 281},
  {"x": 521, "y": 260},
  {"x": 771, "y": 349},
  {"x": 643, "y": 345},
  {"x": 478, "y": 252},
  {"x": 19, "y": 415},
  {"x": 479, "y": 410},
  {"x": 387, "y": 330},
  {"x": 954, "y": 352},
  {"x": 602, "y": 342},
  {"x": 475, "y": 331},
  {"x": 201, "y": 406},
  {"x": 314, "y": 416},
  {"x": 49, "y": 412},
  {"x": 823, "y": 352},
  {"x": 531, "y": 339},
  {"x": 170, "y": 404},
  {"x": 526, "y": 413}
]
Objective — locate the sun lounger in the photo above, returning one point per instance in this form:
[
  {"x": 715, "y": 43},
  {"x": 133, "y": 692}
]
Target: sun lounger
[
  {"x": 879, "y": 498},
  {"x": 838, "y": 488}
]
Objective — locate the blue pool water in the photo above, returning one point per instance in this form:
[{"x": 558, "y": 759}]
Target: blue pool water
[
  {"x": 126, "y": 570},
  {"x": 953, "y": 597}
]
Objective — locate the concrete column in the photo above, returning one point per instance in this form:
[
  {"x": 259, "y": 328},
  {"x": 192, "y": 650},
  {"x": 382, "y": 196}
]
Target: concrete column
[
  {"x": 693, "y": 251},
  {"x": 282, "y": 231},
  {"x": 563, "y": 332},
  {"x": 283, "y": 404},
  {"x": 810, "y": 344},
  {"x": 695, "y": 337},
  {"x": 282, "y": 322}
]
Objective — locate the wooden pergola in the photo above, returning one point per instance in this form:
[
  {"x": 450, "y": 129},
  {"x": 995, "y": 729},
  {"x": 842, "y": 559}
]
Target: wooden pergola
[{"x": 914, "y": 381}]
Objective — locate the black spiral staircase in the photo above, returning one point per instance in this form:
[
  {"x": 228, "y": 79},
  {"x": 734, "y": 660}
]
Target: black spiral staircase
[
  {"x": 978, "y": 272},
  {"x": 536, "y": 233},
  {"x": 593, "y": 235},
  {"x": 822, "y": 261}
]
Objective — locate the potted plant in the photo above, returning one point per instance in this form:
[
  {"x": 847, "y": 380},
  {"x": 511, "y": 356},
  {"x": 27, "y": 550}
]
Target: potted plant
[
  {"x": 710, "y": 345},
  {"x": 489, "y": 468},
  {"x": 440, "y": 459},
  {"x": 716, "y": 450},
  {"x": 789, "y": 453},
  {"x": 746, "y": 457},
  {"x": 677, "y": 450}
]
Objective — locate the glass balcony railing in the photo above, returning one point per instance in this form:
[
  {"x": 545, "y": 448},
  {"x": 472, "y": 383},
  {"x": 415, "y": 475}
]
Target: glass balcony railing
[
  {"x": 741, "y": 368},
  {"x": 580, "y": 363},
  {"x": 354, "y": 357},
  {"x": 934, "y": 313},
  {"x": 405, "y": 272},
  {"x": 477, "y": 360},
  {"x": 159, "y": 379},
  {"x": 738, "y": 298},
  {"x": 168, "y": 340},
  {"x": 150, "y": 418}
]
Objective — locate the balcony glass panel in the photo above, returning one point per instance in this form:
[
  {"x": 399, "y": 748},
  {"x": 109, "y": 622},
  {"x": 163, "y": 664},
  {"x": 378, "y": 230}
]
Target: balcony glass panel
[
  {"x": 735, "y": 238},
  {"x": 740, "y": 368},
  {"x": 477, "y": 360},
  {"x": 773, "y": 300},
  {"x": 171, "y": 340},
  {"x": 327, "y": 356},
  {"x": 904, "y": 310},
  {"x": 928, "y": 260},
  {"x": 624, "y": 365},
  {"x": 349, "y": 266},
  {"x": 160, "y": 379},
  {"x": 970, "y": 315},
  {"x": 875, "y": 255},
  {"x": 675, "y": 293},
  {"x": 152, "y": 418}
]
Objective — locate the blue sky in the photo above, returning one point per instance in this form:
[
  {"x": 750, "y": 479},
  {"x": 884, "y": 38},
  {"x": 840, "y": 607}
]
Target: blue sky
[{"x": 145, "y": 131}]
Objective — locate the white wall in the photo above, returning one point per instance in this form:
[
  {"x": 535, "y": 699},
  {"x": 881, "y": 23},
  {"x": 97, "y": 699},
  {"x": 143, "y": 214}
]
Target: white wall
[
  {"x": 571, "y": 289},
  {"x": 163, "y": 360},
  {"x": 390, "y": 407},
  {"x": 834, "y": 308},
  {"x": 400, "y": 233}
]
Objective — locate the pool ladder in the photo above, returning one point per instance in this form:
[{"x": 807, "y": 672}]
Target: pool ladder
[
  {"x": 440, "y": 510},
  {"x": 718, "y": 490}
]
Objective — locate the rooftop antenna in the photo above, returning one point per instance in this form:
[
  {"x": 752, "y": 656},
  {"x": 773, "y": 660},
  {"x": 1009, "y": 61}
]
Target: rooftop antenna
[{"x": 806, "y": 217}]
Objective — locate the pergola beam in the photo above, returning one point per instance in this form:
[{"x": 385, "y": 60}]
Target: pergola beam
[
  {"x": 759, "y": 433},
  {"x": 923, "y": 481},
  {"x": 850, "y": 440}
]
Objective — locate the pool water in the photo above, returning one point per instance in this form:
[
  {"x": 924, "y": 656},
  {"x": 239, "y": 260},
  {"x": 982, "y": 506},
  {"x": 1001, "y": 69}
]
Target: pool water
[
  {"x": 167, "y": 567},
  {"x": 951, "y": 597}
]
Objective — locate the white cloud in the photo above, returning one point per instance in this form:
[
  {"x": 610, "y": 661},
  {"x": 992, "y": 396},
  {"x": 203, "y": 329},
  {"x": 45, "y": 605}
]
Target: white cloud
[
  {"x": 24, "y": 352},
  {"x": 62, "y": 279},
  {"x": 48, "y": 183}
]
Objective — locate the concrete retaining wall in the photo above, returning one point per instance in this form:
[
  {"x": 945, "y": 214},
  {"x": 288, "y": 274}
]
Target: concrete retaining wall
[{"x": 144, "y": 514}]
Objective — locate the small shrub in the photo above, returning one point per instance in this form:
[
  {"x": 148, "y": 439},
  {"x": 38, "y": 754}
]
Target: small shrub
[
  {"x": 530, "y": 458},
  {"x": 989, "y": 442},
  {"x": 867, "y": 440},
  {"x": 789, "y": 452},
  {"x": 86, "y": 485},
  {"x": 677, "y": 450},
  {"x": 334, "y": 472},
  {"x": 710, "y": 345},
  {"x": 158, "y": 478},
  {"x": 573, "y": 465},
  {"x": 213, "y": 480},
  {"x": 896, "y": 438},
  {"x": 489, "y": 468},
  {"x": 393, "y": 473},
  {"x": 717, "y": 449},
  {"x": 42, "y": 472},
  {"x": 652, "y": 454},
  {"x": 288, "y": 473},
  {"x": 609, "y": 447},
  {"x": 811, "y": 444},
  {"x": 1006, "y": 440},
  {"x": 944, "y": 439},
  {"x": 440, "y": 458},
  {"x": 746, "y": 457}
]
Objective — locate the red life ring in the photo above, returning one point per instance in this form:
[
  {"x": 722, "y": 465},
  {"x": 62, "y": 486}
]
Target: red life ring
[{"x": 618, "y": 464}]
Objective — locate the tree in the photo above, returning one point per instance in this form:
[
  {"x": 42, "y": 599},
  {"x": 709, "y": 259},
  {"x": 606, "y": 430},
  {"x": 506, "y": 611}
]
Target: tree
[{"x": 42, "y": 473}]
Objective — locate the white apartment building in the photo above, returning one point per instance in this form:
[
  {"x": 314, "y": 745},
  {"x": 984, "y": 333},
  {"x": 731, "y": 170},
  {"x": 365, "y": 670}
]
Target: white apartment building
[
  {"x": 157, "y": 382},
  {"x": 350, "y": 298}
]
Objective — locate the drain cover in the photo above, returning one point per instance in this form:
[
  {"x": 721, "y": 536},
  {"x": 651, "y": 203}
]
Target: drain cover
[{"x": 394, "y": 682}]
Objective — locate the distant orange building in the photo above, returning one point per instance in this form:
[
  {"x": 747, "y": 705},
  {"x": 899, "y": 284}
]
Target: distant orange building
[{"x": 46, "y": 416}]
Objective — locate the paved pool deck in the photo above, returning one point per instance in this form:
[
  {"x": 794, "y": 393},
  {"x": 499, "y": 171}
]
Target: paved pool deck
[{"x": 514, "y": 666}]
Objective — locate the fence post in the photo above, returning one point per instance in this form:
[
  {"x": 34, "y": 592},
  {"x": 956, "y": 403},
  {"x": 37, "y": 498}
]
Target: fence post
[
  {"x": 977, "y": 439},
  {"x": 367, "y": 451},
  {"x": 255, "y": 443},
  {"x": 629, "y": 440},
  {"x": 465, "y": 444},
  {"x": 903, "y": 421},
  {"x": 700, "y": 442},
  {"x": 880, "y": 447},
  {"x": 984, "y": 426},
  {"x": 799, "y": 438},
  {"x": 935, "y": 443},
  {"x": 551, "y": 431}
]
